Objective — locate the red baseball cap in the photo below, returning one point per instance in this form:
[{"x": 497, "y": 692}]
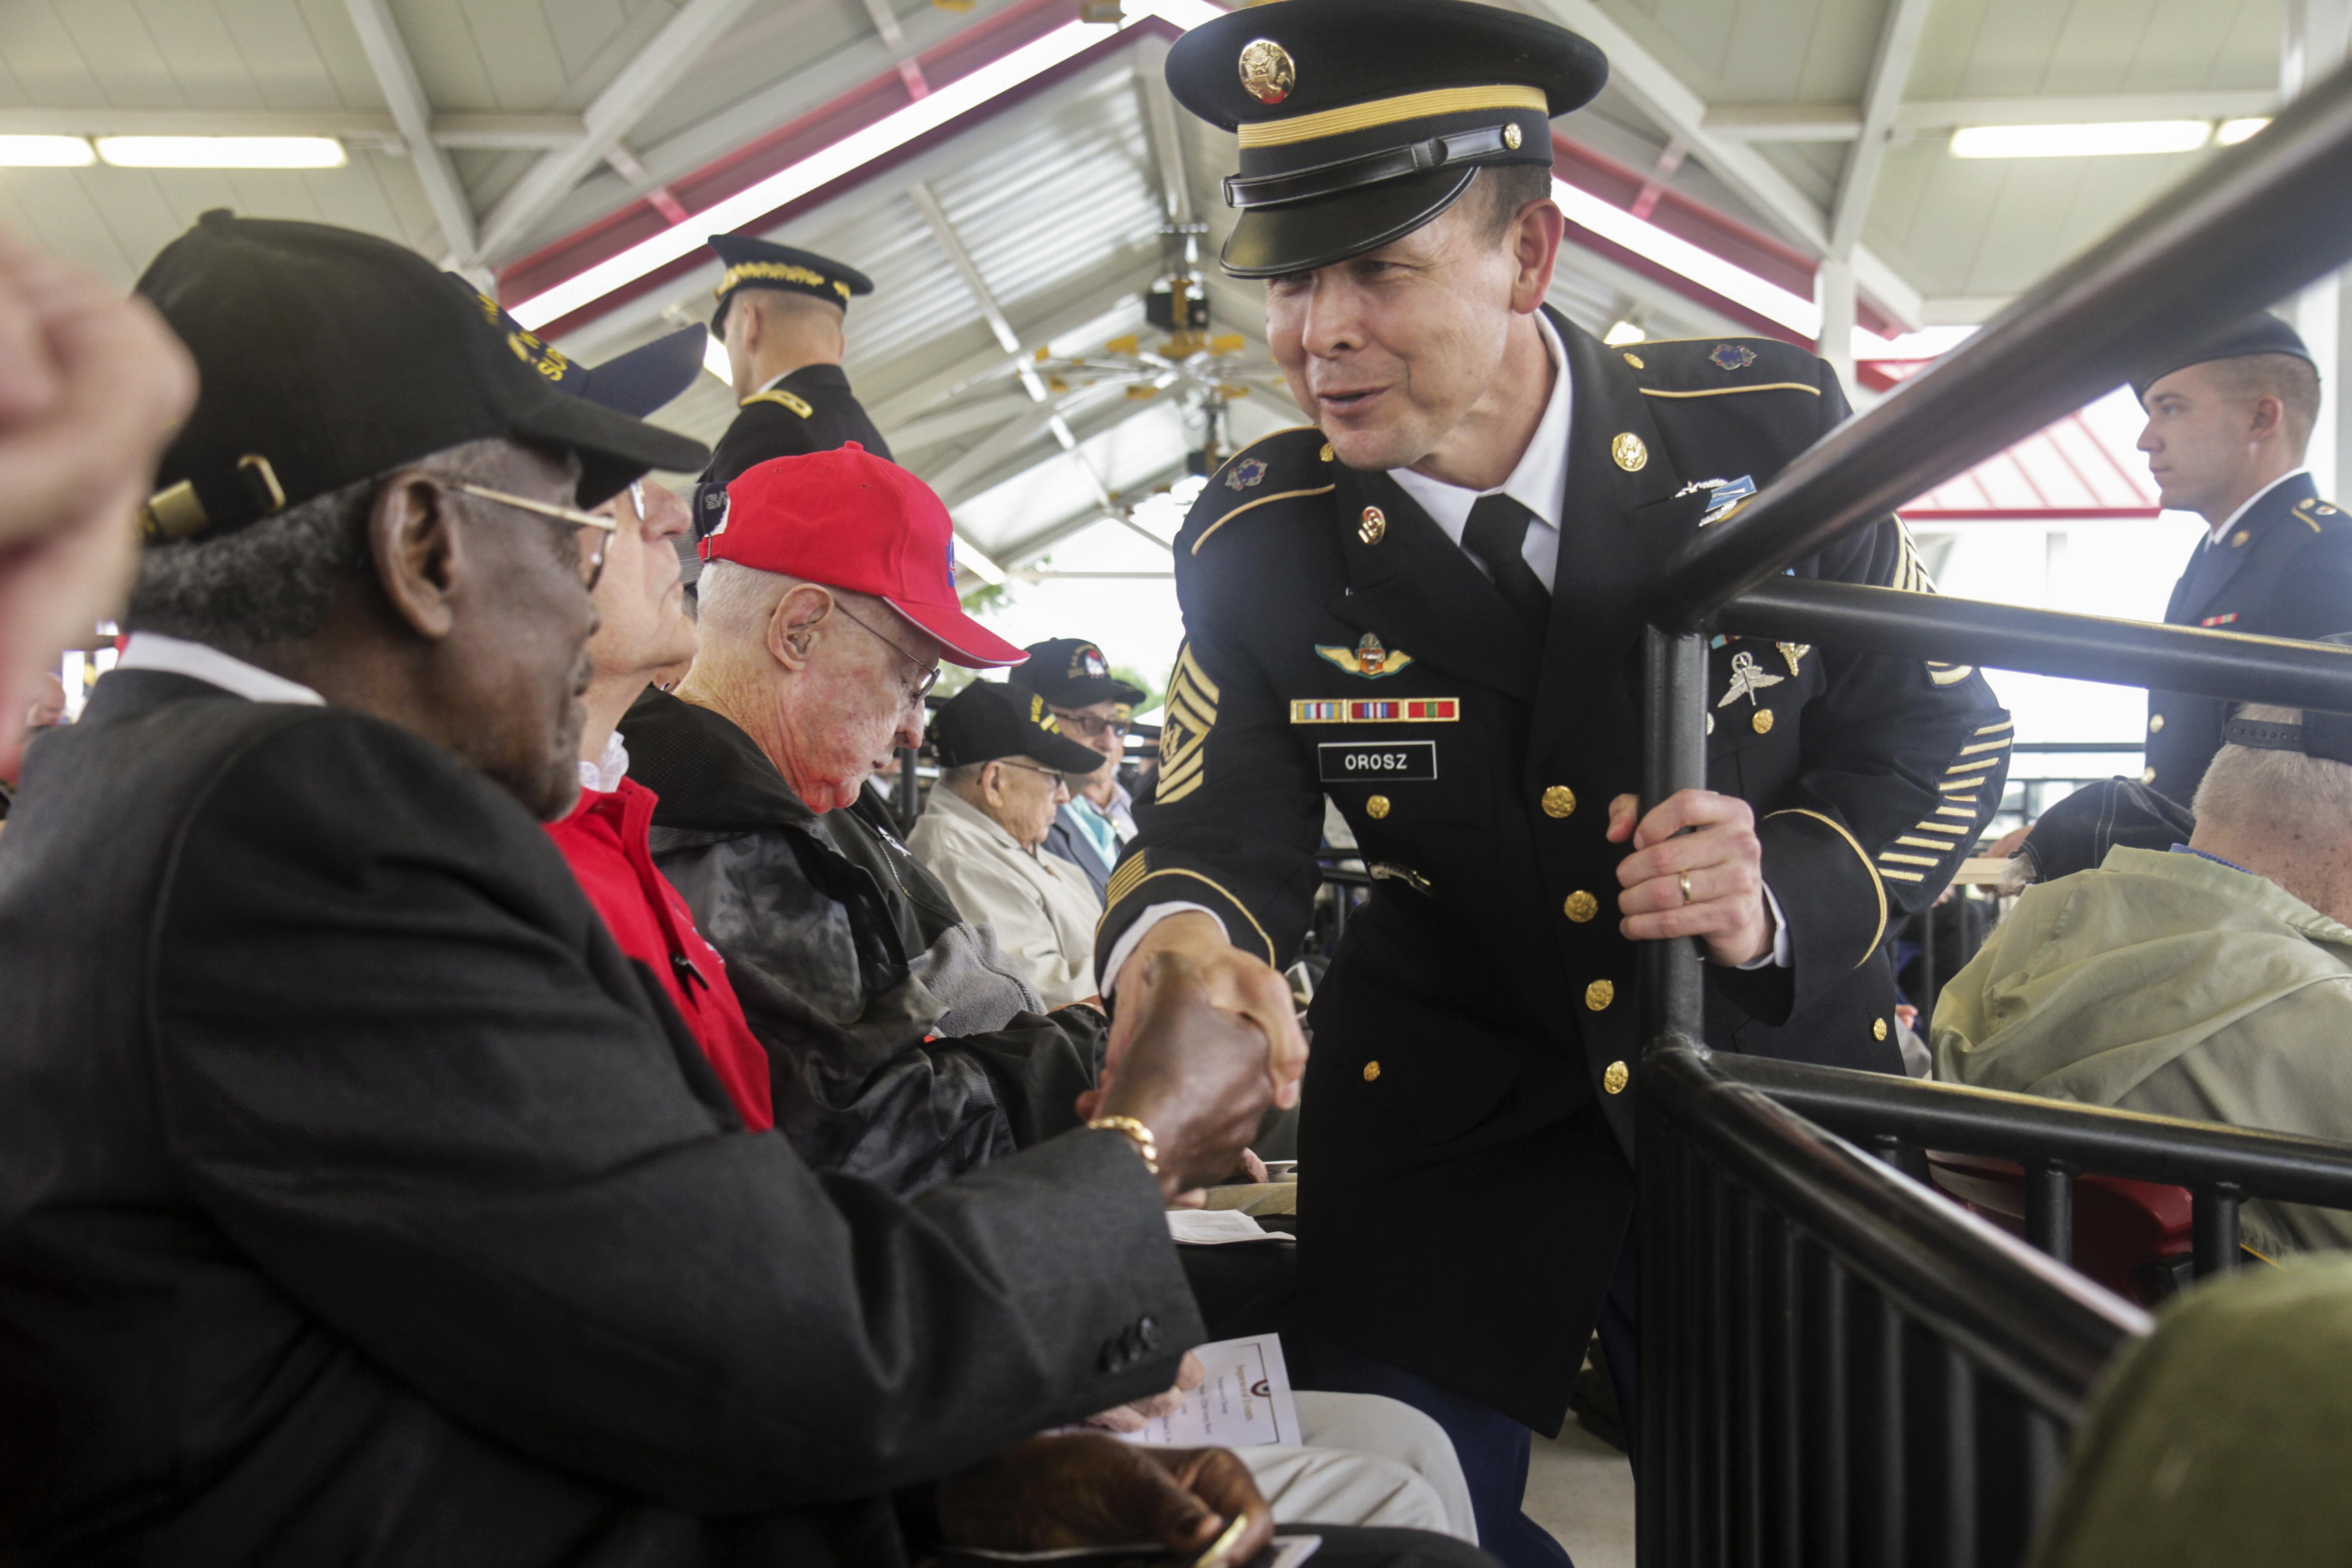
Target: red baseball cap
[{"x": 850, "y": 520}]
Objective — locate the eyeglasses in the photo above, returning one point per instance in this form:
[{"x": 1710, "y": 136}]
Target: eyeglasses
[
  {"x": 1054, "y": 773},
  {"x": 917, "y": 687},
  {"x": 1088, "y": 724},
  {"x": 592, "y": 560}
]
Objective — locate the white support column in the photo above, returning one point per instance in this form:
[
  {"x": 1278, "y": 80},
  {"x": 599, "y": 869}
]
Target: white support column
[
  {"x": 2317, "y": 33},
  {"x": 1833, "y": 293}
]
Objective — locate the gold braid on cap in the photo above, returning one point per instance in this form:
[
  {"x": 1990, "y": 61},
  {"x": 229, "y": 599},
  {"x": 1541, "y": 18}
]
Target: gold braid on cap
[
  {"x": 1389, "y": 110},
  {"x": 783, "y": 272}
]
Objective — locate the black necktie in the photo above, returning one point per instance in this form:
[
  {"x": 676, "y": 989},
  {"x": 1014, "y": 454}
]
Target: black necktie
[{"x": 1497, "y": 530}]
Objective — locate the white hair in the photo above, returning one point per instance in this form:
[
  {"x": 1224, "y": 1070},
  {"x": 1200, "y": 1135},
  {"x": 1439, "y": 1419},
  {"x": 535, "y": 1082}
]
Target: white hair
[
  {"x": 735, "y": 601},
  {"x": 2281, "y": 795}
]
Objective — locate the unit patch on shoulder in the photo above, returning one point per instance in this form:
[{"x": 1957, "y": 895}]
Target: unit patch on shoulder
[
  {"x": 1733, "y": 356},
  {"x": 1367, "y": 659},
  {"x": 1245, "y": 473}
]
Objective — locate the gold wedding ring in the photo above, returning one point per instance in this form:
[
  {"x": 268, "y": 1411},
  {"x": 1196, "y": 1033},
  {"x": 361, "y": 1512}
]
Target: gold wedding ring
[{"x": 1687, "y": 892}]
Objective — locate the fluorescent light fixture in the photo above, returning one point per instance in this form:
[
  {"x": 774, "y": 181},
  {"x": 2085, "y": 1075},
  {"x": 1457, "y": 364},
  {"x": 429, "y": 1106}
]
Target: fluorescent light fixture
[
  {"x": 221, "y": 151},
  {"x": 1621, "y": 334},
  {"x": 967, "y": 559},
  {"x": 2101, "y": 140},
  {"x": 715, "y": 361},
  {"x": 2233, "y": 132},
  {"x": 1676, "y": 254},
  {"x": 46, "y": 152},
  {"x": 846, "y": 157}
]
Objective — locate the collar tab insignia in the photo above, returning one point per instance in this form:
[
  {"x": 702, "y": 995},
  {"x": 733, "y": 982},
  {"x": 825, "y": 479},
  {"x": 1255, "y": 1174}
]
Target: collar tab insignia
[
  {"x": 1749, "y": 677},
  {"x": 1630, "y": 453},
  {"x": 1245, "y": 473},
  {"x": 1733, "y": 356},
  {"x": 1792, "y": 652},
  {"x": 1367, "y": 659},
  {"x": 1374, "y": 525}
]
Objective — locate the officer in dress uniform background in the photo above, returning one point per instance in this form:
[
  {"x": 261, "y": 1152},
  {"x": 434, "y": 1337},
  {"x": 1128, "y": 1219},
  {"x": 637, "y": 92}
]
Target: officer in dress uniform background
[
  {"x": 2228, "y": 423},
  {"x": 783, "y": 316},
  {"x": 1426, "y": 609}
]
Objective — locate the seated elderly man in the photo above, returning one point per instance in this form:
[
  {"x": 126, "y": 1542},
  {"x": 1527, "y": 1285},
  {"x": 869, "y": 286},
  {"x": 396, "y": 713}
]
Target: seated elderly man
[
  {"x": 905, "y": 1047},
  {"x": 358, "y": 1198},
  {"x": 1001, "y": 758},
  {"x": 2211, "y": 981},
  {"x": 1093, "y": 706}
]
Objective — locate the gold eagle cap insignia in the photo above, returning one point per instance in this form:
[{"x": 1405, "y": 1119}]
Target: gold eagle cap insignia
[{"x": 1367, "y": 659}]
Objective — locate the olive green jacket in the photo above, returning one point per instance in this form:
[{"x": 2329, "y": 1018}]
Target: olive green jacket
[{"x": 2169, "y": 984}]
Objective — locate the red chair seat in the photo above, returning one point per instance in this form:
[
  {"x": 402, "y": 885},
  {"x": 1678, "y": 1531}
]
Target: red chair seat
[{"x": 2130, "y": 1237}]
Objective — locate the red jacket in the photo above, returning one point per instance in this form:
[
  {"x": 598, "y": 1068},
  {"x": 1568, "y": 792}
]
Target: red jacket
[{"x": 604, "y": 839}]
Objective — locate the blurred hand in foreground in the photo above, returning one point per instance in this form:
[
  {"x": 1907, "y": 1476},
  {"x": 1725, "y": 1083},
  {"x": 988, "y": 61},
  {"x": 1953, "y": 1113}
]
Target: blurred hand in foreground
[
  {"x": 1237, "y": 982},
  {"x": 1087, "y": 1489}
]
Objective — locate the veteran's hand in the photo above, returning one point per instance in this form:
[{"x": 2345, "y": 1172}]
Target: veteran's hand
[
  {"x": 1710, "y": 839},
  {"x": 1194, "y": 1074},
  {"x": 1237, "y": 982},
  {"x": 1087, "y": 1490},
  {"x": 1131, "y": 1415},
  {"x": 91, "y": 385}
]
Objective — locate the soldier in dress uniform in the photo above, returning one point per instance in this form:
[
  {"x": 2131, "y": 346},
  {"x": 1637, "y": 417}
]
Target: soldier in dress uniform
[
  {"x": 782, "y": 314},
  {"x": 1426, "y": 609},
  {"x": 2228, "y": 422}
]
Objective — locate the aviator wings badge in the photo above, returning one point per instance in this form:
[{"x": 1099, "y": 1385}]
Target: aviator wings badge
[
  {"x": 1367, "y": 659},
  {"x": 1747, "y": 679}
]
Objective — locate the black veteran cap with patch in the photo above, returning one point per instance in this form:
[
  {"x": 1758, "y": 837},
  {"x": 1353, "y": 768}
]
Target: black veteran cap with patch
[
  {"x": 762, "y": 264},
  {"x": 1361, "y": 120},
  {"x": 989, "y": 720},
  {"x": 328, "y": 357},
  {"x": 1071, "y": 672},
  {"x": 635, "y": 383},
  {"x": 2260, "y": 333}
]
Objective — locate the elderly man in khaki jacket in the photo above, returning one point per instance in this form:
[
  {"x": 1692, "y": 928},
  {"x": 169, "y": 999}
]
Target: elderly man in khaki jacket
[
  {"x": 2212, "y": 981},
  {"x": 1002, "y": 757}
]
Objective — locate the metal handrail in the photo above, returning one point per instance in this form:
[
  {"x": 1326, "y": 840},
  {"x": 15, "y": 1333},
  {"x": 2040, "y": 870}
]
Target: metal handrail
[
  {"x": 2206, "y": 252},
  {"x": 1860, "y": 619},
  {"x": 2044, "y": 1329}
]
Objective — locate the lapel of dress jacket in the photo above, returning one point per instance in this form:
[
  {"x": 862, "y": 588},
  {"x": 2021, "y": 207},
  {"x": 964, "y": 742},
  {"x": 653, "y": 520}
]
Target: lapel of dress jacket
[
  {"x": 1618, "y": 526},
  {"x": 1419, "y": 591},
  {"x": 2219, "y": 564}
]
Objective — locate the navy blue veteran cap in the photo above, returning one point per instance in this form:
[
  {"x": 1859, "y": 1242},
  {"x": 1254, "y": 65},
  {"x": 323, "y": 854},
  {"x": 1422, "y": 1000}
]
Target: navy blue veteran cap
[
  {"x": 1071, "y": 673},
  {"x": 2260, "y": 333},
  {"x": 327, "y": 357},
  {"x": 635, "y": 383},
  {"x": 989, "y": 720},
  {"x": 762, "y": 264},
  {"x": 1361, "y": 120}
]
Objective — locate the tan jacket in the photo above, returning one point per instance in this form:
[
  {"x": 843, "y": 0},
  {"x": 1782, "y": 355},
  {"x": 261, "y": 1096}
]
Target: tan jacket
[
  {"x": 1040, "y": 906},
  {"x": 2169, "y": 984}
]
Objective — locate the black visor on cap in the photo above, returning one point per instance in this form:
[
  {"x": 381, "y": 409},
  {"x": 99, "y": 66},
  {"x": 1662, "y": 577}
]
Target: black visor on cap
[{"x": 1271, "y": 241}]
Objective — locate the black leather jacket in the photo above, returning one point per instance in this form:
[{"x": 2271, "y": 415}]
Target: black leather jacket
[{"x": 901, "y": 1051}]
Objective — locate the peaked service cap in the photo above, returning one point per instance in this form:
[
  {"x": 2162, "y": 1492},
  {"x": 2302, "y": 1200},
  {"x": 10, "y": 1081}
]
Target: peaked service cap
[
  {"x": 763, "y": 264},
  {"x": 1361, "y": 120},
  {"x": 849, "y": 519},
  {"x": 328, "y": 357},
  {"x": 2260, "y": 333}
]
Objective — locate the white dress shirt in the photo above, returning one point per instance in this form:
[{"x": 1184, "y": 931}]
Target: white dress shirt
[{"x": 177, "y": 655}]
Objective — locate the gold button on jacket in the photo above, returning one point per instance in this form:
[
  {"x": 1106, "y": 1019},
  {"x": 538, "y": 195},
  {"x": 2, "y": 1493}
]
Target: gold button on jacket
[
  {"x": 1581, "y": 906},
  {"x": 2156, "y": 724},
  {"x": 1559, "y": 801},
  {"x": 1762, "y": 722},
  {"x": 1878, "y": 1028},
  {"x": 1372, "y": 1071},
  {"x": 1615, "y": 1080},
  {"x": 1377, "y": 807},
  {"x": 1599, "y": 994}
]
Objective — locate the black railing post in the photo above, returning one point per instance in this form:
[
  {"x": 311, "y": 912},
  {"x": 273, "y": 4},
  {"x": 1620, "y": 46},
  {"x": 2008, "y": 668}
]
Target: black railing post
[
  {"x": 2213, "y": 1228},
  {"x": 1671, "y": 998},
  {"x": 2049, "y": 1209}
]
